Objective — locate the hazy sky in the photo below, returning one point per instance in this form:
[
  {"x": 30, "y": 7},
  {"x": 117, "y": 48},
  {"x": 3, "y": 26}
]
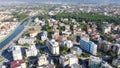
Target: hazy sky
[{"x": 72, "y": 1}]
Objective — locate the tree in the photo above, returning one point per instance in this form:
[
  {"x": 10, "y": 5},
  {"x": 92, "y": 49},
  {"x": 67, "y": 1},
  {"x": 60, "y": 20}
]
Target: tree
[
  {"x": 3, "y": 27},
  {"x": 49, "y": 29},
  {"x": 111, "y": 54},
  {"x": 64, "y": 50},
  {"x": 42, "y": 42},
  {"x": 37, "y": 41},
  {"x": 82, "y": 25},
  {"x": 41, "y": 51},
  {"x": 84, "y": 55},
  {"x": 27, "y": 64},
  {"x": 60, "y": 28},
  {"x": 100, "y": 54},
  {"x": 26, "y": 44},
  {"x": 89, "y": 17}
]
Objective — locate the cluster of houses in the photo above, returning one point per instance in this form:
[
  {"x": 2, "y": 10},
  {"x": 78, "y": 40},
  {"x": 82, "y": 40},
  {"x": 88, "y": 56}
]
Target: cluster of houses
[
  {"x": 64, "y": 37},
  {"x": 6, "y": 28}
]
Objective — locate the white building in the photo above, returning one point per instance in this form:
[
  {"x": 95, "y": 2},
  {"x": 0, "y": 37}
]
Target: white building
[
  {"x": 53, "y": 47},
  {"x": 85, "y": 36},
  {"x": 31, "y": 51},
  {"x": 16, "y": 52},
  {"x": 36, "y": 20},
  {"x": 116, "y": 49},
  {"x": 67, "y": 43},
  {"x": 44, "y": 35},
  {"x": 18, "y": 64},
  {"x": 26, "y": 40},
  {"x": 68, "y": 59},
  {"x": 76, "y": 50},
  {"x": 76, "y": 66},
  {"x": 94, "y": 62},
  {"x": 118, "y": 40},
  {"x": 105, "y": 65},
  {"x": 116, "y": 62},
  {"x": 33, "y": 33},
  {"x": 106, "y": 29},
  {"x": 105, "y": 46},
  {"x": 42, "y": 60},
  {"x": 2, "y": 66},
  {"x": 47, "y": 66},
  {"x": 66, "y": 32}
]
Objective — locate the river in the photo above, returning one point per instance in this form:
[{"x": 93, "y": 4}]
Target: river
[{"x": 14, "y": 34}]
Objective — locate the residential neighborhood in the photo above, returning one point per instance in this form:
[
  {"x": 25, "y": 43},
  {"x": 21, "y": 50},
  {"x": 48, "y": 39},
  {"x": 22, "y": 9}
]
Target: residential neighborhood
[{"x": 60, "y": 36}]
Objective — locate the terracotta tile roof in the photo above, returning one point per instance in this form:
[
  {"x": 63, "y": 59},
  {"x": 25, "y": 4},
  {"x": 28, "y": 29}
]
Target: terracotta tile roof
[{"x": 15, "y": 64}]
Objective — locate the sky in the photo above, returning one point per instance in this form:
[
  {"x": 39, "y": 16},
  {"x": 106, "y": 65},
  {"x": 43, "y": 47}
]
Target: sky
[{"x": 71, "y": 1}]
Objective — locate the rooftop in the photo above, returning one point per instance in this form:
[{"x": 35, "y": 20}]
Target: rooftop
[
  {"x": 88, "y": 41},
  {"x": 76, "y": 66},
  {"x": 96, "y": 59},
  {"x": 53, "y": 42},
  {"x": 68, "y": 56},
  {"x": 15, "y": 64},
  {"x": 16, "y": 49}
]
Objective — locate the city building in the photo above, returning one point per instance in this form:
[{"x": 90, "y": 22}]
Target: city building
[
  {"x": 63, "y": 41},
  {"x": 118, "y": 40},
  {"x": 116, "y": 48},
  {"x": 67, "y": 27},
  {"x": 105, "y": 65},
  {"x": 116, "y": 62},
  {"x": 105, "y": 46},
  {"x": 56, "y": 33},
  {"x": 85, "y": 36},
  {"x": 88, "y": 46},
  {"x": 66, "y": 32},
  {"x": 53, "y": 47},
  {"x": 67, "y": 43},
  {"x": 18, "y": 64},
  {"x": 47, "y": 66},
  {"x": 68, "y": 60},
  {"x": 26, "y": 40},
  {"x": 39, "y": 22},
  {"x": 17, "y": 53},
  {"x": 2, "y": 66},
  {"x": 42, "y": 60},
  {"x": 76, "y": 66},
  {"x": 31, "y": 51},
  {"x": 89, "y": 30},
  {"x": 33, "y": 33},
  {"x": 77, "y": 30},
  {"x": 36, "y": 20},
  {"x": 106, "y": 28},
  {"x": 44, "y": 35},
  {"x": 94, "y": 62},
  {"x": 76, "y": 50}
]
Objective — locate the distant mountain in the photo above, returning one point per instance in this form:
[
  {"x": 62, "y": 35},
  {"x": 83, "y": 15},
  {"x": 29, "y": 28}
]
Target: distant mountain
[{"x": 65, "y": 1}]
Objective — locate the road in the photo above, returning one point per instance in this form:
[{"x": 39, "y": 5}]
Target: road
[{"x": 7, "y": 55}]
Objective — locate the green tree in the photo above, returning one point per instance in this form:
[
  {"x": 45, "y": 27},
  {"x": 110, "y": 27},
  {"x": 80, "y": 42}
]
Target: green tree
[
  {"x": 88, "y": 17},
  {"x": 85, "y": 55},
  {"x": 37, "y": 41},
  {"x": 26, "y": 44},
  {"x": 111, "y": 54},
  {"x": 63, "y": 50},
  {"x": 41, "y": 51}
]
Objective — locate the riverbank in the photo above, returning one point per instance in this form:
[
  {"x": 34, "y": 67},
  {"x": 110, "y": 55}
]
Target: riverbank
[
  {"x": 9, "y": 33},
  {"x": 1, "y": 40},
  {"x": 5, "y": 44}
]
